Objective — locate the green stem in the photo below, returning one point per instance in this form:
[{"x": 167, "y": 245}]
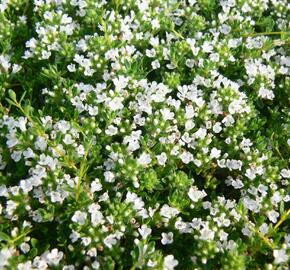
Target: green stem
[
  {"x": 265, "y": 34},
  {"x": 83, "y": 170},
  {"x": 20, "y": 236},
  {"x": 264, "y": 238},
  {"x": 177, "y": 34},
  {"x": 282, "y": 219}
]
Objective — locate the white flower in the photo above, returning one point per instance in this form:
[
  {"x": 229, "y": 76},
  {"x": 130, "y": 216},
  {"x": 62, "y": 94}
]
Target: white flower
[
  {"x": 215, "y": 153},
  {"x": 96, "y": 215},
  {"x": 154, "y": 41},
  {"x": 191, "y": 2},
  {"x": 251, "y": 174},
  {"x": 168, "y": 212},
  {"x": 110, "y": 240},
  {"x": 74, "y": 236},
  {"x": 53, "y": 257},
  {"x": 155, "y": 64},
  {"x": 225, "y": 29},
  {"x": 96, "y": 265},
  {"x": 111, "y": 130},
  {"x": 251, "y": 204},
  {"x": 96, "y": 186},
  {"x": 266, "y": 93},
  {"x": 167, "y": 238},
  {"x": 4, "y": 62},
  {"x": 189, "y": 125},
  {"x": 246, "y": 231},
  {"x": 280, "y": 256},
  {"x": 116, "y": 104},
  {"x": 228, "y": 121},
  {"x": 214, "y": 57},
  {"x": 167, "y": 114},
  {"x": 80, "y": 150},
  {"x": 16, "y": 68},
  {"x": 3, "y": 191},
  {"x": 24, "y": 247},
  {"x": 189, "y": 63},
  {"x": 16, "y": 155},
  {"x": 273, "y": 216},
  {"x": 155, "y": 24},
  {"x": 144, "y": 231},
  {"x": 40, "y": 143},
  {"x": 264, "y": 228},
  {"x": 162, "y": 158},
  {"x": 79, "y": 217},
  {"x": 195, "y": 195},
  {"x": 169, "y": 262},
  {"x": 93, "y": 111},
  {"x": 145, "y": 159},
  {"x": 68, "y": 139},
  {"x": 186, "y": 157},
  {"x": 233, "y": 164},
  {"x": 197, "y": 162},
  {"x": 285, "y": 173},
  {"x": 189, "y": 112},
  {"x": 109, "y": 176},
  {"x": 206, "y": 234},
  {"x": 120, "y": 83},
  {"x": 151, "y": 53},
  {"x": 151, "y": 263},
  {"x": 200, "y": 133},
  {"x": 223, "y": 235},
  {"x": 207, "y": 47},
  {"x": 245, "y": 145},
  {"x": 276, "y": 198},
  {"x": 71, "y": 67},
  {"x": 45, "y": 54},
  {"x": 12, "y": 141}
]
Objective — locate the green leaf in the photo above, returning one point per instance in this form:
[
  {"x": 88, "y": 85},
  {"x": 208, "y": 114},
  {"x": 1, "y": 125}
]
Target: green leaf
[
  {"x": 22, "y": 97},
  {"x": 33, "y": 252},
  {"x": 4, "y": 237},
  {"x": 12, "y": 95},
  {"x": 34, "y": 242},
  {"x": 281, "y": 208},
  {"x": 11, "y": 102}
]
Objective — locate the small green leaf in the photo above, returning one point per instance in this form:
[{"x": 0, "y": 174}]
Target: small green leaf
[
  {"x": 33, "y": 252},
  {"x": 12, "y": 95},
  {"x": 11, "y": 102},
  {"x": 34, "y": 242},
  {"x": 4, "y": 237},
  {"x": 22, "y": 97},
  {"x": 281, "y": 208}
]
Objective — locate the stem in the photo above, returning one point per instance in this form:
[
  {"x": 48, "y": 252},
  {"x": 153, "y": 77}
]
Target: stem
[
  {"x": 83, "y": 170},
  {"x": 264, "y": 238},
  {"x": 265, "y": 34},
  {"x": 24, "y": 113},
  {"x": 20, "y": 236},
  {"x": 282, "y": 219},
  {"x": 26, "y": 7},
  {"x": 177, "y": 34}
]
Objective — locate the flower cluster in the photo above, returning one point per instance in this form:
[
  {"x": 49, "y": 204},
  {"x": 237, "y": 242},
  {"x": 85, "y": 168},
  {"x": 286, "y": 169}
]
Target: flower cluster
[{"x": 144, "y": 134}]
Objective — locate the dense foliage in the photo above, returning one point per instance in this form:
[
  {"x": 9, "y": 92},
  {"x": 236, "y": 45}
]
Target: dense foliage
[{"x": 144, "y": 134}]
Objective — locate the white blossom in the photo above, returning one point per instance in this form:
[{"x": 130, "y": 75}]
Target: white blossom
[
  {"x": 167, "y": 238},
  {"x": 79, "y": 217},
  {"x": 170, "y": 262},
  {"x": 195, "y": 195}
]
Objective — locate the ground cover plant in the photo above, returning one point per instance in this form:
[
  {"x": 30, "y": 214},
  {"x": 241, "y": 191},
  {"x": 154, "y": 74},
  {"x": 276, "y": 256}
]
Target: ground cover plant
[{"x": 144, "y": 134}]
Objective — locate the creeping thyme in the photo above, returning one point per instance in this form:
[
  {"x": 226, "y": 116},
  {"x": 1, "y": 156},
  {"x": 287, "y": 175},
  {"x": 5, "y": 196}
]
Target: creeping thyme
[{"x": 144, "y": 134}]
